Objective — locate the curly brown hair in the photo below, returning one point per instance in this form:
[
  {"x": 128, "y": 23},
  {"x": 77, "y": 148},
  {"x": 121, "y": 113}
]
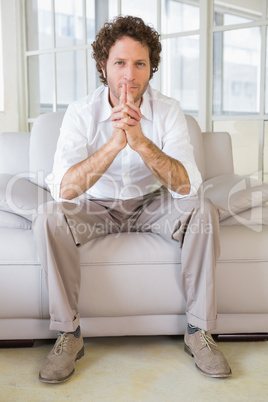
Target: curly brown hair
[{"x": 122, "y": 26}]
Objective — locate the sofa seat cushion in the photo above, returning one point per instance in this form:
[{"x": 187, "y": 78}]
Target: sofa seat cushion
[
  {"x": 17, "y": 247},
  {"x": 120, "y": 280},
  {"x": 13, "y": 221},
  {"x": 20, "y": 284},
  {"x": 131, "y": 274},
  {"x": 242, "y": 270}
]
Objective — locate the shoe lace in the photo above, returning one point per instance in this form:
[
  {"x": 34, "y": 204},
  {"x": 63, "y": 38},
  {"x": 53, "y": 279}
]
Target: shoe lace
[
  {"x": 60, "y": 343},
  {"x": 207, "y": 340}
]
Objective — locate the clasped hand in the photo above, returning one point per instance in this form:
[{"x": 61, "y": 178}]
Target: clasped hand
[{"x": 126, "y": 118}]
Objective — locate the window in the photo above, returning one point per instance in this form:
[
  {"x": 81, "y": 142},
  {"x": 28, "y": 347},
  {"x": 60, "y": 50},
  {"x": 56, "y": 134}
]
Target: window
[
  {"x": 231, "y": 12},
  {"x": 59, "y": 34},
  {"x": 237, "y": 71},
  {"x": 180, "y": 22},
  {"x": 1, "y": 67},
  {"x": 214, "y": 61},
  {"x": 240, "y": 72},
  {"x": 265, "y": 153}
]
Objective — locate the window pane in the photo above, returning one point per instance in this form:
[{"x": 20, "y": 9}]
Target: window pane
[
  {"x": 1, "y": 67},
  {"x": 229, "y": 12},
  {"x": 71, "y": 82},
  {"x": 245, "y": 144},
  {"x": 145, "y": 9},
  {"x": 68, "y": 22},
  {"x": 266, "y": 78},
  {"x": 97, "y": 12},
  {"x": 179, "y": 16},
  {"x": 93, "y": 74},
  {"x": 265, "y": 153},
  {"x": 90, "y": 4},
  {"x": 40, "y": 84},
  {"x": 39, "y": 24},
  {"x": 180, "y": 71},
  {"x": 237, "y": 71}
]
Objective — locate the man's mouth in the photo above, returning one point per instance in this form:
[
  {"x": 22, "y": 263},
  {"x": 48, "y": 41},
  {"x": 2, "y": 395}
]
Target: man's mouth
[{"x": 130, "y": 87}]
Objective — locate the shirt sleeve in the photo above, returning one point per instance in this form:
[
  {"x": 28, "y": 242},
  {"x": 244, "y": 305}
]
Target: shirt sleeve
[
  {"x": 72, "y": 147},
  {"x": 176, "y": 143}
]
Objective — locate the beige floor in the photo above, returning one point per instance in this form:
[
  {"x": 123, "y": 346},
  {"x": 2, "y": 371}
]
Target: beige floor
[{"x": 136, "y": 369}]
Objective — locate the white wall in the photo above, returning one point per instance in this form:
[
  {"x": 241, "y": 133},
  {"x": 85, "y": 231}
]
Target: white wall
[{"x": 11, "y": 119}]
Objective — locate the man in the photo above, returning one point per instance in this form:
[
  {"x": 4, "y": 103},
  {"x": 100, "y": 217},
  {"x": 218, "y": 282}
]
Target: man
[{"x": 122, "y": 153}]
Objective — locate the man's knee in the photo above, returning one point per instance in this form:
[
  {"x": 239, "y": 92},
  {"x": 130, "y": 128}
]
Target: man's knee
[
  {"x": 208, "y": 208},
  {"x": 196, "y": 209},
  {"x": 50, "y": 213}
]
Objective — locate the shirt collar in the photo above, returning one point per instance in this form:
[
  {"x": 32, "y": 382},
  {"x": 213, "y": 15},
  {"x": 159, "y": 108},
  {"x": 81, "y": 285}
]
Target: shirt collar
[
  {"x": 146, "y": 109},
  {"x": 105, "y": 107}
]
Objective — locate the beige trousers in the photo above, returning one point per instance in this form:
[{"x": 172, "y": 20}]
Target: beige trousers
[{"x": 60, "y": 228}]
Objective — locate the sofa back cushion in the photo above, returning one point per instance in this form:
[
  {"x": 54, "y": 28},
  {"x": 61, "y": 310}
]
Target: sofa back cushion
[
  {"x": 43, "y": 143},
  {"x": 14, "y": 155},
  {"x": 218, "y": 154},
  {"x": 196, "y": 139}
]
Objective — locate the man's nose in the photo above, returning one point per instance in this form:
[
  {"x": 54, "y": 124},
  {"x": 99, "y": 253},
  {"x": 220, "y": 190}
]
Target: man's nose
[{"x": 129, "y": 73}]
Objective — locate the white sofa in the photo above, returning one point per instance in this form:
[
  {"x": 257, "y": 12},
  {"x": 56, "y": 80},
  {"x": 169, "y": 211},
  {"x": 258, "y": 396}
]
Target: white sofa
[{"x": 130, "y": 283}]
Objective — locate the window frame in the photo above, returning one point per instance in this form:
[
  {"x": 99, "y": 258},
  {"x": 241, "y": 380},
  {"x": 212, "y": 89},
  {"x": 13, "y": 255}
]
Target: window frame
[{"x": 2, "y": 88}]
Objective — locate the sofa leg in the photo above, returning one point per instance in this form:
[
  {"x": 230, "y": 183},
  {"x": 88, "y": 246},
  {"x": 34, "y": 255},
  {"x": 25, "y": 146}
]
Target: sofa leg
[
  {"x": 242, "y": 337},
  {"x": 16, "y": 343}
]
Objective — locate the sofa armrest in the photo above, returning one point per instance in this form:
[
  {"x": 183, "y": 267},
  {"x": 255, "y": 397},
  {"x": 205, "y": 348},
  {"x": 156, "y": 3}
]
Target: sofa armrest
[
  {"x": 20, "y": 196},
  {"x": 14, "y": 152},
  {"x": 218, "y": 154},
  {"x": 233, "y": 193}
]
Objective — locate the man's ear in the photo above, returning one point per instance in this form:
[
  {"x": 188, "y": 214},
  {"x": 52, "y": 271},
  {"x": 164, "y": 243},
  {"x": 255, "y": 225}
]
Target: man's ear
[{"x": 103, "y": 72}]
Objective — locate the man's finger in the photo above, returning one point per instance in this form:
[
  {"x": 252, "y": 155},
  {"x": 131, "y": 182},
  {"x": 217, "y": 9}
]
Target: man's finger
[
  {"x": 132, "y": 113},
  {"x": 123, "y": 96},
  {"x": 133, "y": 109},
  {"x": 129, "y": 94}
]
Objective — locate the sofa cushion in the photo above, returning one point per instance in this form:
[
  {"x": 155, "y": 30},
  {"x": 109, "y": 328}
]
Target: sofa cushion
[
  {"x": 14, "y": 152},
  {"x": 251, "y": 217},
  {"x": 20, "y": 196},
  {"x": 13, "y": 221},
  {"x": 43, "y": 143},
  {"x": 233, "y": 193},
  {"x": 217, "y": 154},
  {"x": 196, "y": 139}
]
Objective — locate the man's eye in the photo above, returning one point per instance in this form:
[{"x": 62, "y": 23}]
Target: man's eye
[
  {"x": 140, "y": 64},
  {"x": 119, "y": 63}
]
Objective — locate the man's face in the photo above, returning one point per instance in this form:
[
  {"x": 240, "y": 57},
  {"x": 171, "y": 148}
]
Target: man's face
[{"x": 128, "y": 63}]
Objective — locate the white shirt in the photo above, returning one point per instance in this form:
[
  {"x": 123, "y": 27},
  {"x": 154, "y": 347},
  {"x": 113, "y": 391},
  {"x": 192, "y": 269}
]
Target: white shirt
[{"x": 86, "y": 127}]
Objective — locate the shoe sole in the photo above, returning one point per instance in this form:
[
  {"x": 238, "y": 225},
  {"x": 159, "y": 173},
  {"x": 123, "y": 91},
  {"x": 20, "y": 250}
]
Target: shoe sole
[
  {"x": 79, "y": 356},
  {"x": 224, "y": 375}
]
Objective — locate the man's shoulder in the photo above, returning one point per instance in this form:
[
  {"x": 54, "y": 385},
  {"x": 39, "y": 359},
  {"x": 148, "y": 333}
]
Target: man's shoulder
[
  {"x": 89, "y": 100},
  {"x": 159, "y": 98},
  {"x": 82, "y": 110},
  {"x": 161, "y": 104}
]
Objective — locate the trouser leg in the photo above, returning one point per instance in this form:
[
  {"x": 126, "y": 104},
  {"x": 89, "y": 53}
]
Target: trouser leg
[
  {"x": 57, "y": 231},
  {"x": 194, "y": 223}
]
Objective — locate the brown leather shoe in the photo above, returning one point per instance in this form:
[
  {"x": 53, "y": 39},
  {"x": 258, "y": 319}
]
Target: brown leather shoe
[
  {"x": 209, "y": 360},
  {"x": 59, "y": 364}
]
